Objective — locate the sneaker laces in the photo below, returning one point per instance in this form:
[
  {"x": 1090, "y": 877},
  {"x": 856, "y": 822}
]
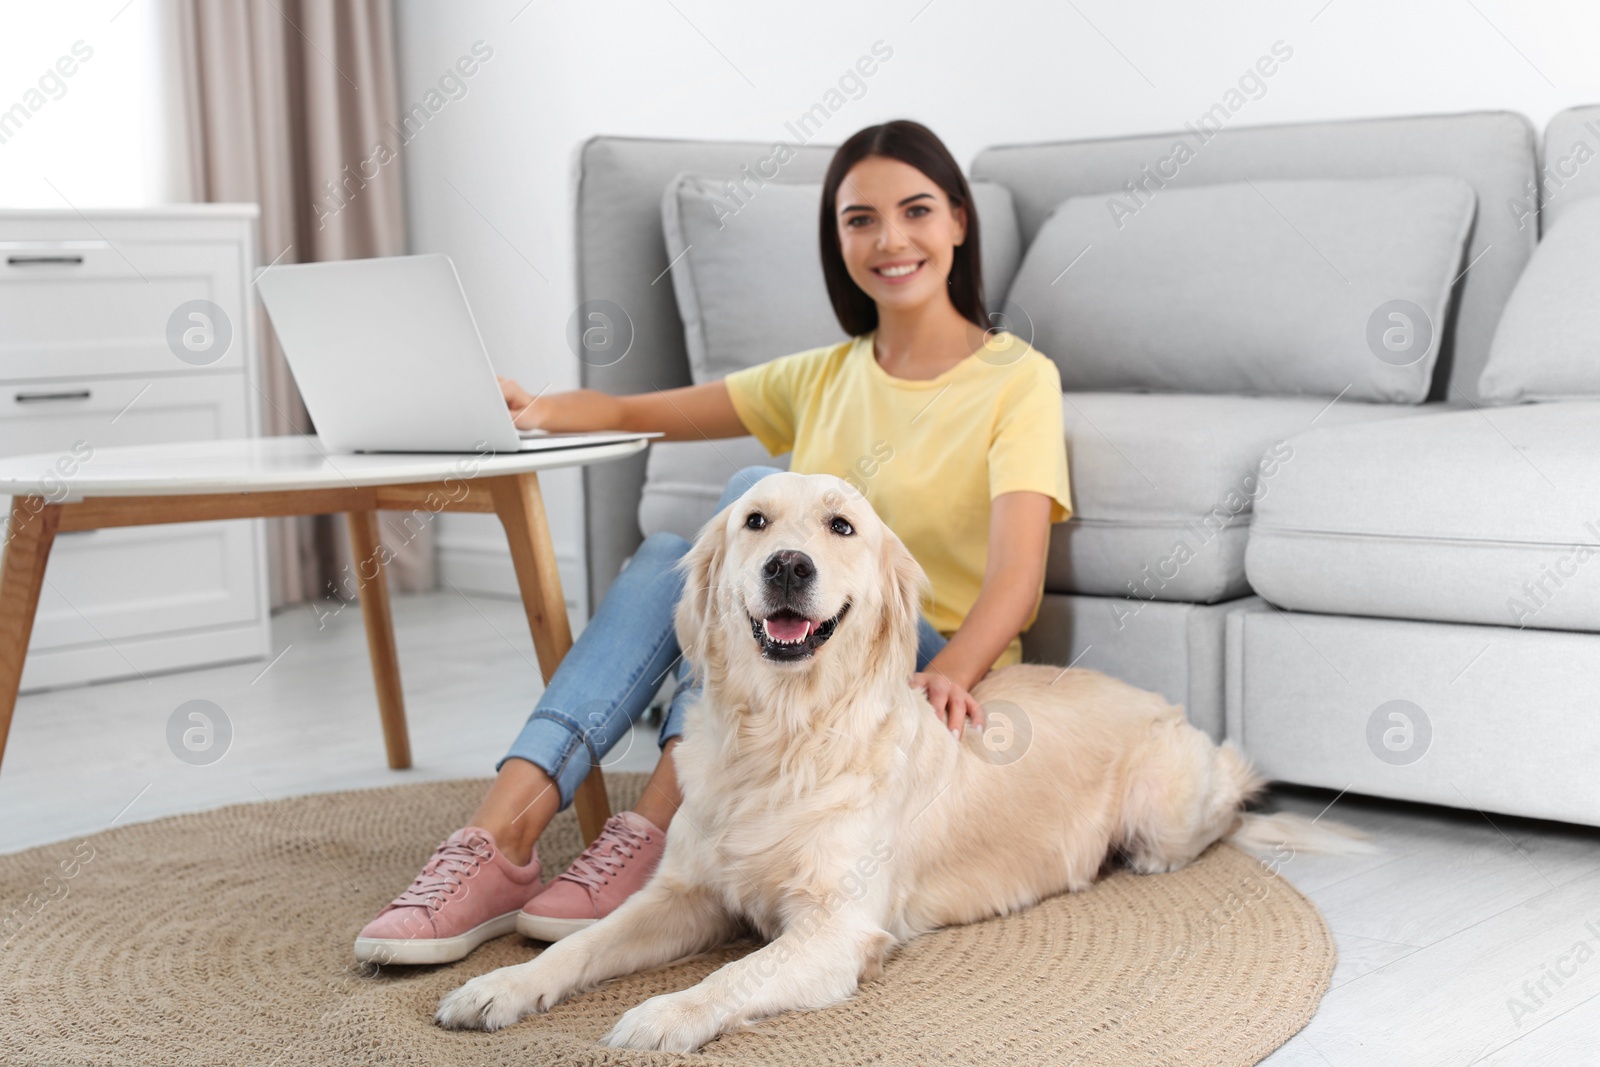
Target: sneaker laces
[
  {"x": 618, "y": 842},
  {"x": 443, "y": 872}
]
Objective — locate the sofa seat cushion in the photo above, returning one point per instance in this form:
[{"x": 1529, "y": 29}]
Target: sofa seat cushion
[
  {"x": 1478, "y": 515},
  {"x": 1164, "y": 486}
]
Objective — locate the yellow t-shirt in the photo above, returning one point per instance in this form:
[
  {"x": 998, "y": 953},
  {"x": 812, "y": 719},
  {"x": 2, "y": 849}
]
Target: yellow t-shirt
[{"x": 927, "y": 455}]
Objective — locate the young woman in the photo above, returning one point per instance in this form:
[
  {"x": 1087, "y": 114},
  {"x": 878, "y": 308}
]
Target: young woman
[{"x": 952, "y": 431}]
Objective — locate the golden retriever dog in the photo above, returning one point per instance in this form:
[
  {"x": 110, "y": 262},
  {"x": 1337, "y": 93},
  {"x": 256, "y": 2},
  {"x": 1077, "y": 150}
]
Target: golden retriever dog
[{"x": 828, "y": 809}]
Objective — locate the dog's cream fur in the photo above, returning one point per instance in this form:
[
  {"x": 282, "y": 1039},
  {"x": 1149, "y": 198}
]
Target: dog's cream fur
[{"x": 828, "y": 808}]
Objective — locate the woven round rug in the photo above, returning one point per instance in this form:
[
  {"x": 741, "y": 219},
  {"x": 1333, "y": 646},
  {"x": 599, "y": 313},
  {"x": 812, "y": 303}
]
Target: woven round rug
[{"x": 225, "y": 937}]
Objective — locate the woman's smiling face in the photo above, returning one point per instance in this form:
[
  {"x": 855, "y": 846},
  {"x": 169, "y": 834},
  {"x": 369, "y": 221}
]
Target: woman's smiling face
[{"x": 897, "y": 232}]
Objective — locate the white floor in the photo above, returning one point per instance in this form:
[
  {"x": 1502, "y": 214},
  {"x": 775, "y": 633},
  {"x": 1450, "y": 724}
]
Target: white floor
[
  {"x": 1436, "y": 936},
  {"x": 303, "y": 722}
]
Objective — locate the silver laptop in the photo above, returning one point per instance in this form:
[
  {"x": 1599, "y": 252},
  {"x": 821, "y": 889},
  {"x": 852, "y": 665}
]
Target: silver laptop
[{"x": 389, "y": 359}]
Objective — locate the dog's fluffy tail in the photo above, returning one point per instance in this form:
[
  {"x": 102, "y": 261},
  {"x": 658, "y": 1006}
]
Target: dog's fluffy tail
[{"x": 1277, "y": 831}]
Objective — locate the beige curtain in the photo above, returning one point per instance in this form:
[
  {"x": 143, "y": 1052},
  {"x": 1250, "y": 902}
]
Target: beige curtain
[{"x": 291, "y": 104}]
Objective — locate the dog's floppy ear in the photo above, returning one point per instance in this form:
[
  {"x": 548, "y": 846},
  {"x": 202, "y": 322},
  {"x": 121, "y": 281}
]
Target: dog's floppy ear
[
  {"x": 695, "y": 617},
  {"x": 905, "y": 581}
]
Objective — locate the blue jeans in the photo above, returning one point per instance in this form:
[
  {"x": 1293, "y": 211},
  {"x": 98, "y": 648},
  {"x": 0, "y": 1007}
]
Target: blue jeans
[{"x": 619, "y": 660}]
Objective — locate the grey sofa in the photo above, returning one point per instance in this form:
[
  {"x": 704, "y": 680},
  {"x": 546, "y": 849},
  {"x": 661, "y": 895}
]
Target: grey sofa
[{"x": 1349, "y": 621}]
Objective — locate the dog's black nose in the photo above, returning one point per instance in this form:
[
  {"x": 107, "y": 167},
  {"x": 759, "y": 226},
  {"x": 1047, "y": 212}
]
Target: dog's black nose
[{"x": 789, "y": 569}]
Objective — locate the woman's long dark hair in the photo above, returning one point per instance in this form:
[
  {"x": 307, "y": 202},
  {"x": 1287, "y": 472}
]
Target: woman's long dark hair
[{"x": 912, "y": 143}]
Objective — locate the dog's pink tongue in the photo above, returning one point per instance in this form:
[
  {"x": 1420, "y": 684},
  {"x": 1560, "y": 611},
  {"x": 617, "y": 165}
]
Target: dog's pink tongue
[{"x": 788, "y": 628}]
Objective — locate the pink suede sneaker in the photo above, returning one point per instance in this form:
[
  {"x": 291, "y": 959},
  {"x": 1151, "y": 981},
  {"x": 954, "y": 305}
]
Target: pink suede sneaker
[
  {"x": 467, "y": 893},
  {"x": 620, "y": 861}
]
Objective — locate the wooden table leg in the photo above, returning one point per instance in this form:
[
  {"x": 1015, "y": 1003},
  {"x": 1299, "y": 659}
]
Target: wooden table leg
[
  {"x": 520, "y": 505},
  {"x": 30, "y": 532},
  {"x": 367, "y": 551}
]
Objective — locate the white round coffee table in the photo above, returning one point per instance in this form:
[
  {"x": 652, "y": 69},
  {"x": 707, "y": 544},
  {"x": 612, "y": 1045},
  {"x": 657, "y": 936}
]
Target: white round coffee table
[{"x": 273, "y": 476}]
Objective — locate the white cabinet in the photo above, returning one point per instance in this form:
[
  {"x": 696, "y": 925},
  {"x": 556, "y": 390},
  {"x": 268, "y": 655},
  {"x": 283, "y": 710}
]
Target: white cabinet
[{"x": 102, "y": 343}]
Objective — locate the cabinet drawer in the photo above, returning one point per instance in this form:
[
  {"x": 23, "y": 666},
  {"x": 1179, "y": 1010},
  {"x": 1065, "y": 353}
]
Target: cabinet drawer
[
  {"x": 137, "y": 581},
  {"x": 108, "y": 585},
  {"x": 80, "y": 308},
  {"x": 55, "y": 416}
]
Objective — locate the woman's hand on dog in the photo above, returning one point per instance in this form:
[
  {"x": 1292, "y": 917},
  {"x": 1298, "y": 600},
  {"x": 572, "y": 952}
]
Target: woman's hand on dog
[{"x": 951, "y": 701}]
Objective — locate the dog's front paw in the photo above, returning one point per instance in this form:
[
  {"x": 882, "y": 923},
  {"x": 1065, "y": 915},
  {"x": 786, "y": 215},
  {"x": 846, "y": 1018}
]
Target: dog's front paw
[
  {"x": 672, "y": 1022},
  {"x": 495, "y": 1000}
]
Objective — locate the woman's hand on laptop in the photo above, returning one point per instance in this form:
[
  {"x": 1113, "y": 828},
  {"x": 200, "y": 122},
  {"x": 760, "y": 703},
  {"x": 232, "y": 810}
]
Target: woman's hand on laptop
[
  {"x": 688, "y": 413},
  {"x": 522, "y": 404},
  {"x": 570, "y": 412}
]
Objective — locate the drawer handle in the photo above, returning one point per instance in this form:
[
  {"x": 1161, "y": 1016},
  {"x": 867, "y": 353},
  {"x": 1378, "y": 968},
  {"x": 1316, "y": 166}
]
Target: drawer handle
[
  {"x": 38, "y": 260},
  {"x": 73, "y": 394}
]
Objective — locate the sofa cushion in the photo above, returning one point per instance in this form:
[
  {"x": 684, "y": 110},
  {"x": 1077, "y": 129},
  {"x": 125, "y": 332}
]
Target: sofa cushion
[
  {"x": 748, "y": 278},
  {"x": 1481, "y": 516},
  {"x": 1164, "y": 486},
  {"x": 1493, "y": 151},
  {"x": 1256, "y": 287},
  {"x": 1547, "y": 346},
  {"x": 1568, "y": 175}
]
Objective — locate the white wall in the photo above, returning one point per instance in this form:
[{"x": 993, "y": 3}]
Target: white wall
[
  {"x": 489, "y": 178},
  {"x": 100, "y": 129},
  {"x": 978, "y": 73}
]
